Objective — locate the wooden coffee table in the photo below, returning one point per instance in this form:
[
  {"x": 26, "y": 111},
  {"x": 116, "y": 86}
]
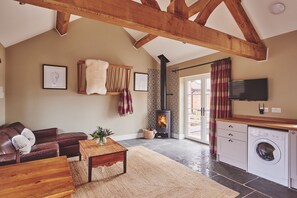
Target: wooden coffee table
[
  {"x": 41, "y": 178},
  {"x": 106, "y": 155}
]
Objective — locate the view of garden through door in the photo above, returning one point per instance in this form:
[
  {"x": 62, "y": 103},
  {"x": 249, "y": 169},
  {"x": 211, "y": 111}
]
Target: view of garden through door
[{"x": 197, "y": 90}]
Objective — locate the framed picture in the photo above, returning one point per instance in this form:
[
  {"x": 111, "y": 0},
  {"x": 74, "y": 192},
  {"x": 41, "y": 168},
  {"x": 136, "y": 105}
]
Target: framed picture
[
  {"x": 140, "y": 81},
  {"x": 54, "y": 77}
]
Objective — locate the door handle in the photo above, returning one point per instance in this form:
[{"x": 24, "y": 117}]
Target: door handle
[
  {"x": 230, "y": 134},
  {"x": 230, "y": 140},
  {"x": 203, "y": 111}
]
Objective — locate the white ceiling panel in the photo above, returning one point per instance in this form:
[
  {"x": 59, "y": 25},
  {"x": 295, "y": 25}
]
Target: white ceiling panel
[
  {"x": 175, "y": 51},
  {"x": 21, "y": 22},
  {"x": 267, "y": 24}
]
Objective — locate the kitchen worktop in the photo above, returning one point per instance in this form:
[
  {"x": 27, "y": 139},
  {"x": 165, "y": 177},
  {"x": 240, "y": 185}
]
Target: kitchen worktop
[{"x": 274, "y": 123}]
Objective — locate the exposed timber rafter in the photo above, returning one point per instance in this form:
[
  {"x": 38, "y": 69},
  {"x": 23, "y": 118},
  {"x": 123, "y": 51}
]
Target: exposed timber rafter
[
  {"x": 147, "y": 38},
  {"x": 62, "y": 22},
  {"x": 242, "y": 21},
  {"x": 178, "y": 8},
  {"x": 133, "y": 15},
  {"x": 191, "y": 10},
  {"x": 206, "y": 11},
  {"x": 151, "y": 3},
  {"x": 197, "y": 7}
]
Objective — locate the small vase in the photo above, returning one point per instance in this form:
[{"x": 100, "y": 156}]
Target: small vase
[{"x": 101, "y": 141}]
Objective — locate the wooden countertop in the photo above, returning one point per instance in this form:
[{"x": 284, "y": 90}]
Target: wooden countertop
[{"x": 274, "y": 123}]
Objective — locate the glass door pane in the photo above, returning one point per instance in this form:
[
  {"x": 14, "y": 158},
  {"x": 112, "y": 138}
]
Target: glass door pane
[
  {"x": 197, "y": 105},
  {"x": 194, "y": 109},
  {"x": 207, "y": 107}
]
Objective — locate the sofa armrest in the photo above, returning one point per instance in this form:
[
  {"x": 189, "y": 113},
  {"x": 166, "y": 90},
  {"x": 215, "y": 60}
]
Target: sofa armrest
[
  {"x": 46, "y": 133},
  {"x": 9, "y": 158}
]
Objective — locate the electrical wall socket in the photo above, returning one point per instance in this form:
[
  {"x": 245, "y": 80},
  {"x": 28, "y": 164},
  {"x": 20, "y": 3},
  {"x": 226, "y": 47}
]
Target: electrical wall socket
[
  {"x": 276, "y": 110},
  {"x": 266, "y": 109}
]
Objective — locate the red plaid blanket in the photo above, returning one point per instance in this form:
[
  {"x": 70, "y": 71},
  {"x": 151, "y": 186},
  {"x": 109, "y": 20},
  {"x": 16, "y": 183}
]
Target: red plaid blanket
[{"x": 125, "y": 103}]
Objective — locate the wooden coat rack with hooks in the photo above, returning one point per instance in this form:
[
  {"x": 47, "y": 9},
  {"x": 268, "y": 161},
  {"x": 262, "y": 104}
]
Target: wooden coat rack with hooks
[{"x": 118, "y": 78}]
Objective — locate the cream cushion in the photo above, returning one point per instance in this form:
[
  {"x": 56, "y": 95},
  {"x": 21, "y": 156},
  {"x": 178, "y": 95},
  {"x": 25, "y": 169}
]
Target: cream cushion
[
  {"x": 29, "y": 135},
  {"x": 96, "y": 76},
  {"x": 22, "y": 144}
]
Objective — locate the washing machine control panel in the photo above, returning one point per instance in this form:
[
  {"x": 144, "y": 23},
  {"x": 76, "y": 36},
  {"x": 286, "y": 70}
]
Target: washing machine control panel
[{"x": 265, "y": 133}]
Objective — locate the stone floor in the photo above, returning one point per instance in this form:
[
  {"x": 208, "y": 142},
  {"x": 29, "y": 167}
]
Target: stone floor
[{"x": 196, "y": 156}]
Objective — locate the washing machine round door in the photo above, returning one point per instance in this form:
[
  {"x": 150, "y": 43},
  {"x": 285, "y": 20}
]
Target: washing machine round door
[{"x": 267, "y": 151}]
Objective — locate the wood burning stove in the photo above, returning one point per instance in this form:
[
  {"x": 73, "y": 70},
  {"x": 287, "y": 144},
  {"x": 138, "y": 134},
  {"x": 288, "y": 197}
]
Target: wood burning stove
[
  {"x": 163, "y": 117},
  {"x": 163, "y": 124}
]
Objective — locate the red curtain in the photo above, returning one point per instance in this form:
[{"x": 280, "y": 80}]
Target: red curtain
[{"x": 220, "y": 105}]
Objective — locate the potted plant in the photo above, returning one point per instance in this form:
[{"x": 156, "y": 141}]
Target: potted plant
[{"x": 100, "y": 135}]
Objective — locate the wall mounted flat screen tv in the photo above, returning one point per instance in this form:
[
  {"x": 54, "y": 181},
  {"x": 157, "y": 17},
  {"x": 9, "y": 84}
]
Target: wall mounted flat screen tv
[{"x": 252, "y": 89}]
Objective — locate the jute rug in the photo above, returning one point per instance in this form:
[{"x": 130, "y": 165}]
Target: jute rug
[{"x": 149, "y": 174}]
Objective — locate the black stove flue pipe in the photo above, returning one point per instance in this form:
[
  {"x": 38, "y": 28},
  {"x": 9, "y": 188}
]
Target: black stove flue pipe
[{"x": 164, "y": 62}]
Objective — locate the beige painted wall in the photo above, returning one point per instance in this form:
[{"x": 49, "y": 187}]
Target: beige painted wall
[
  {"x": 2, "y": 83},
  {"x": 280, "y": 69},
  {"x": 39, "y": 108}
]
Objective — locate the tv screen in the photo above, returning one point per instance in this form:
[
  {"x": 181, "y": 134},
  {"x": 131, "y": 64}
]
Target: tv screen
[{"x": 253, "y": 89}]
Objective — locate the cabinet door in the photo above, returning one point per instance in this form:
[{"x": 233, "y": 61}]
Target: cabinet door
[
  {"x": 293, "y": 164},
  {"x": 233, "y": 152}
]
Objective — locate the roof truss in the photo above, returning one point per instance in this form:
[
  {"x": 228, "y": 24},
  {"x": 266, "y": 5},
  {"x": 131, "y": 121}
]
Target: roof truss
[
  {"x": 62, "y": 22},
  {"x": 147, "y": 17}
]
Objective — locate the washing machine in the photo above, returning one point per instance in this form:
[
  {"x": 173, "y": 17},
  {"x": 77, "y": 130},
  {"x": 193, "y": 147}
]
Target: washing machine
[{"x": 268, "y": 154}]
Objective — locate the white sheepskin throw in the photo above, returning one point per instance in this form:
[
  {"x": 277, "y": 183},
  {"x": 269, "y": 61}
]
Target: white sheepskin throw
[
  {"x": 96, "y": 76},
  {"x": 22, "y": 144},
  {"x": 29, "y": 135}
]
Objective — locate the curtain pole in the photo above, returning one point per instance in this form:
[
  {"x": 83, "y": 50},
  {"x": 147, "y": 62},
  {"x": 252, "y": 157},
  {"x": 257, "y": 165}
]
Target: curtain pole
[{"x": 176, "y": 70}]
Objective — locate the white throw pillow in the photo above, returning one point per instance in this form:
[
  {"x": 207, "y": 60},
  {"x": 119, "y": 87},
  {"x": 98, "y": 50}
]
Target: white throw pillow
[
  {"x": 96, "y": 76},
  {"x": 29, "y": 135},
  {"x": 22, "y": 144}
]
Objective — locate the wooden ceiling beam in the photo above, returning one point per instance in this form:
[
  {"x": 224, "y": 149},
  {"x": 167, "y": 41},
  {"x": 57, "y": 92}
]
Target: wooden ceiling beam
[
  {"x": 144, "y": 40},
  {"x": 151, "y": 3},
  {"x": 147, "y": 38},
  {"x": 197, "y": 7},
  {"x": 62, "y": 22},
  {"x": 133, "y": 15},
  {"x": 192, "y": 10},
  {"x": 243, "y": 21},
  {"x": 179, "y": 8},
  {"x": 207, "y": 10}
]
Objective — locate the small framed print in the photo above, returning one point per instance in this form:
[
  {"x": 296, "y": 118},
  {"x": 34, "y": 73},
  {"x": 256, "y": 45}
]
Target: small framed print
[
  {"x": 54, "y": 77},
  {"x": 140, "y": 81}
]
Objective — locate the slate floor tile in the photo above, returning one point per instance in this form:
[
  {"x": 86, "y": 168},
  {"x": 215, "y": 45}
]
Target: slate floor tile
[
  {"x": 232, "y": 185},
  {"x": 206, "y": 172},
  {"x": 272, "y": 189},
  {"x": 231, "y": 172},
  {"x": 256, "y": 194}
]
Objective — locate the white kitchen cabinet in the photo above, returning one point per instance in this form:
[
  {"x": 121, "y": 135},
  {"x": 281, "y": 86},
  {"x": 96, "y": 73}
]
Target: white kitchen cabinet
[
  {"x": 232, "y": 143},
  {"x": 293, "y": 158}
]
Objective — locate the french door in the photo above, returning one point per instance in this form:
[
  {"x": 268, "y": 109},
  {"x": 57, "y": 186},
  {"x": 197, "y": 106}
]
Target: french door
[{"x": 197, "y": 90}]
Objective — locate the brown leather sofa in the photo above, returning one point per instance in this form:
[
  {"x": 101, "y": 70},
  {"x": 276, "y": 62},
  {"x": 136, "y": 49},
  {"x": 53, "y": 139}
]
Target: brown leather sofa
[{"x": 48, "y": 144}]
